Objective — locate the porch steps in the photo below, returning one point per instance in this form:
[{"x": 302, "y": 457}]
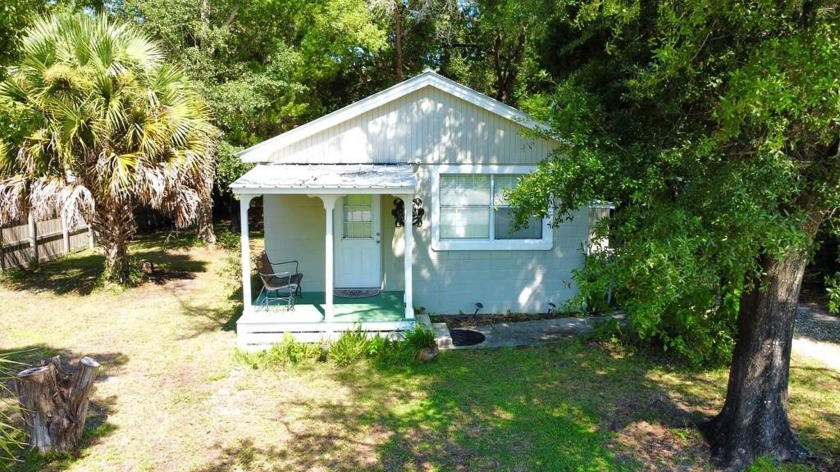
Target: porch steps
[
  {"x": 442, "y": 337},
  {"x": 423, "y": 320}
]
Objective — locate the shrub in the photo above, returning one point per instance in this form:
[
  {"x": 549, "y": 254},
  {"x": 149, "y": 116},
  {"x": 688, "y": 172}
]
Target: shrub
[
  {"x": 227, "y": 239},
  {"x": 832, "y": 288},
  {"x": 379, "y": 346},
  {"x": 674, "y": 300},
  {"x": 607, "y": 330}
]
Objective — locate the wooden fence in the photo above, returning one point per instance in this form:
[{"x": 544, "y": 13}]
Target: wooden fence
[{"x": 40, "y": 241}]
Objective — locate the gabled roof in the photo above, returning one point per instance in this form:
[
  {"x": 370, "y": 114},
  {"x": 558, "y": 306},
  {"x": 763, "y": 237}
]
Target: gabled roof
[{"x": 261, "y": 151}]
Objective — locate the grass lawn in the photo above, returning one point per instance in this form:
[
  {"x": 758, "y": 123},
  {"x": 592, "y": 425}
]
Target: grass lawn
[{"x": 170, "y": 395}]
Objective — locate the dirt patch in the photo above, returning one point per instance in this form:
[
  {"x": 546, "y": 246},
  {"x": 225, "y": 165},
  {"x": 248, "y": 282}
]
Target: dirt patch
[{"x": 661, "y": 448}]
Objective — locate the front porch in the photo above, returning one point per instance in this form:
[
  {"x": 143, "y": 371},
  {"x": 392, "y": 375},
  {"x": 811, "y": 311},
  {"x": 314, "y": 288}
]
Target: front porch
[
  {"x": 260, "y": 326},
  {"x": 329, "y": 220}
]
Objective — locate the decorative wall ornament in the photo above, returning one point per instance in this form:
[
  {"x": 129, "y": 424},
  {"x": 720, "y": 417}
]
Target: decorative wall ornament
[
  {"x": 398, "y": 213},
  {"x": 417, "y": 213}
]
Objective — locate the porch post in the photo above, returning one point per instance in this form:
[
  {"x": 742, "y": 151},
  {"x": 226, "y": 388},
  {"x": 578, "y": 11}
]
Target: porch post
[
  {"x": 244, "y": 204},
  {"x": 408, "y": 255},
  {"x": 329, "y": 284}
]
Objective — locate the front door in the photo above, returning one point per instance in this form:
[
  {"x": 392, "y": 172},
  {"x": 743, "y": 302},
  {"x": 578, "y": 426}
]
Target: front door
[{"x": 357, "y": 253}]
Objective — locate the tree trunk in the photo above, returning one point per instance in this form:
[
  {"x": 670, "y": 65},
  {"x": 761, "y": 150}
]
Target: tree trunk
[
  {"x": 114, "y": 226},
  {"x": 233, "y": 209},
  {"x": 398, "y": 39},
  {"x": 204, "y": 218},
  {"x": 754, "y": 420},
  {"x": 205, "y": 222},
  {"x": 54, "y": 404},
  {"x": 507, "y": 67}
]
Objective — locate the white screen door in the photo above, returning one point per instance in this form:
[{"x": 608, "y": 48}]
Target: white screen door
[{"x": 357, "y": 253}]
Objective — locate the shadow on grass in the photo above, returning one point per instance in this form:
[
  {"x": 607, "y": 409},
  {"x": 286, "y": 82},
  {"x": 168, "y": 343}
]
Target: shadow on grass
[
  {"x": 80, "y": 273},
  {"x": 813, "y": 399},
  {"x": 224, "y": 318},
  {"x": 558, "y": 407},
  {"x": 100, "y": 408},
  {"x": 76, "y": 273},
  {"x": 211, "y": 319}
]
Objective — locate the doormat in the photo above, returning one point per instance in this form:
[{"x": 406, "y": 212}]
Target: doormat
[{"x": 356, "y": 292}]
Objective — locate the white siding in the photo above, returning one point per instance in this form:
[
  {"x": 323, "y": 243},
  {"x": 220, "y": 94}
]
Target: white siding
[
  {"x": 393, "y": 245},
  {"x": 445, "y": 282},
  {"x": 449, "y": 282},
  {"x": 294, "y": 230},
  {"x": 433, "y": 128},
  {"x": 428, "y": 126}
]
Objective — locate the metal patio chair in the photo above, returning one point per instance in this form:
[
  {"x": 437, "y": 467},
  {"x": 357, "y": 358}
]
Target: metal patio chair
[{"x": 281, "y": 281}]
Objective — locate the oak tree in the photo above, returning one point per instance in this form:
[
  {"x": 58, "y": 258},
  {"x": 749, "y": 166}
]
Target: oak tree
[{"x": 713, "y": 127}]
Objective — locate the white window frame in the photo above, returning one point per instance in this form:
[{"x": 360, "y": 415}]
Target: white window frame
[{"x": 490, "y": 244}]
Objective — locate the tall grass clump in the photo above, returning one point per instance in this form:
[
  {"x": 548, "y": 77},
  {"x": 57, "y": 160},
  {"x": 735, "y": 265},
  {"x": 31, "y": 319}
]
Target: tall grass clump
[
  {"x": 351, "y": 347},
  {"x": 287, "y": 352},
  {"x": 405, "y": 350},
  {"x": 11, "y": 436},
  {"x": 418, "y": 338}
]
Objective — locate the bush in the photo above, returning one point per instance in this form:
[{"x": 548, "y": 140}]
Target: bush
[
  {"x": 227, "y": 239},
  {"x": 404, "y": 351},
  {"x": 353, "y": 346},
  {"x": 832, "y": 288},
  {"x": 676, "y": 297}
]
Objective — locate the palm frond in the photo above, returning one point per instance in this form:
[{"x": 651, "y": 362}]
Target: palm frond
[
  {"x": 45, "y": 197},
  {"x": 12, "y": 199},
  {"x": 78, "y": 205},
  {"x": 119, "y": 126},
  {"x": 8, "y": 164}
]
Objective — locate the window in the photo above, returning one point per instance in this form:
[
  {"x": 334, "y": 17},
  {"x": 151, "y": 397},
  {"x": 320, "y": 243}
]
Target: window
[
  {"x": 465, "y": 206},
  {"x": 503, "y": 216},
  {"x": 357, "y": 217},
  {"x": 473, "y": 213}
]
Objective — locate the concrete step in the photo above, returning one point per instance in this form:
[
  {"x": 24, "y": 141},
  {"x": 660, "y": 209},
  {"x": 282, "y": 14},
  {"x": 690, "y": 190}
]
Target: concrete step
[{"x": 442, "y": 338}]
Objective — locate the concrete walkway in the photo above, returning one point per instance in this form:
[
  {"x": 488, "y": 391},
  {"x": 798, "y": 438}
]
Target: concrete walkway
[
  {"x": 523, "y": 333},
  {"x": 816, "y": 335}
]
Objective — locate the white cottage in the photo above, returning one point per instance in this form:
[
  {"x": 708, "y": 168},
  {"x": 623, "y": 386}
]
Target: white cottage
[{"x": 398, "y": 198}]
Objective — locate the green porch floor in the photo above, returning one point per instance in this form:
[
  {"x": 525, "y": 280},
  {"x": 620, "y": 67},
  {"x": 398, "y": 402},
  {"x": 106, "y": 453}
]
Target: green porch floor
[{"x": 387, "y": 306}]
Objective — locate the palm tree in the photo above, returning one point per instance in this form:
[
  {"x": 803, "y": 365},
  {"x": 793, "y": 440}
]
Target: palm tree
[{"x": 111, "y": 127}]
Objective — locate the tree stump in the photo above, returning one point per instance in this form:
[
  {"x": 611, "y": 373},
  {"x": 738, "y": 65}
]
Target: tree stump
[{"x": 54, "y": 403}]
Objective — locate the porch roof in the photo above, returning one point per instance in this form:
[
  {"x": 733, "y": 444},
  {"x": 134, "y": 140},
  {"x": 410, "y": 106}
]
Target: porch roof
[{"x": 326, "y": 178}]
